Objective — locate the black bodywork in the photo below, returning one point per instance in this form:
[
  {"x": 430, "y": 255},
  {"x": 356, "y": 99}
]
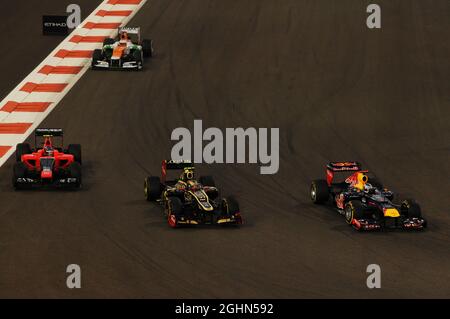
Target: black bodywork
[{"x": 197, "y": 203}]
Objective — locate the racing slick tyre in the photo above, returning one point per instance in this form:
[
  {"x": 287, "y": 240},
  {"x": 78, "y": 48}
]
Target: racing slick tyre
[
  {"x": 411, "y": 209},
  {"x": 353, "y": 210},
  {"x": 152, "y": 188},
  {"x": 319, "y": 191},
  {"x": 137, "y": 56},
  {"x": 97, "y": 55},
  {"x": 75, "y": 172},
  {"x": 22, "y": 149},
  {"x": 147, "y": 48},
  {"x": 174, "y": 211},
  {"x": 231, "y": 207},
  {"x": 19, "y": 171},
  {"x": 108, "y": 41},
  {"x": 207, "y": 181},
  {"x": 75, "y": 150}
]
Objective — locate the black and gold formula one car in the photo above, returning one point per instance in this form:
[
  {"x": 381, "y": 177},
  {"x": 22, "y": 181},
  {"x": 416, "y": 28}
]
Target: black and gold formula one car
[
  {"x": 188, "y": 201},
  {"x": 364, "y": 202}
]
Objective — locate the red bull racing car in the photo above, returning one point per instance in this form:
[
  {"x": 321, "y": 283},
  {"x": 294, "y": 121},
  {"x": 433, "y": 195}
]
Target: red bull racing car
[
  {"x": 364, "y": 202},
  {"x": 47, "y": 164},
  {"x": 188, "y": 201}
]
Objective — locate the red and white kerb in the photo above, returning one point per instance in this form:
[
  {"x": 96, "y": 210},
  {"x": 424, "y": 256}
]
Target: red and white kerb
[{"x": 25, "y": 107}]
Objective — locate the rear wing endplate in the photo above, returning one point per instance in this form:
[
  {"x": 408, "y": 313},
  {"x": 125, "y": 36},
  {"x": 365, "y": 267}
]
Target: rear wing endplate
[{"x": 334, "y": 167}]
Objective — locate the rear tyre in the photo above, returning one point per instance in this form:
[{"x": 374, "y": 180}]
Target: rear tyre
[
  {"x": 22, "y": 149},
  {"x": 108, "y": 41},
  {"x": 75, "y": 150},
  {"x": 147, "y": 48},
  {"x": 19, "y": 171},
  {"x": 75, "y": 172},
  {"x": 174, "y": 211},
  {"x": 207, "y": 181},
  {"x": 152, "y": 188},
  {"x": 353, "y": 210},
  {"x": 411, "y": 209},
  {"x": 319, "y": 191},
  {"x": 97, "y": 55}
]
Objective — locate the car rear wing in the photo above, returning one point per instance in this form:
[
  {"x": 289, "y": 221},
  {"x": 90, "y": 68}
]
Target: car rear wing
[
  {"x": 173, "y": 165},
  {"x": 131, "y": 31},
  {"x": 344, "y": 166},
  {"x": 48, "y": 132},
  {"x": 334, "y": 167}
]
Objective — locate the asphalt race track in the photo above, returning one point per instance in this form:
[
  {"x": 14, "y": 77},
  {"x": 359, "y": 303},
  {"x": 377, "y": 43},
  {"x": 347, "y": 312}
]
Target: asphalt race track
[{"x": 336, "y": 90}]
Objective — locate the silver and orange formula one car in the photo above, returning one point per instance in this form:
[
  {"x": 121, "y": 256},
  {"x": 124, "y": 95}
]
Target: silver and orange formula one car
[
  {"x": 364, "y": 202},
  {"x": 127, "y": 52}
]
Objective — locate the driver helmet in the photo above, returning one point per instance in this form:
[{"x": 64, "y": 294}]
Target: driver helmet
[
  {"x": 48, "y": 150},
  {"x": 369, "y": 188},
  {"x": 123, "y": 37},
  {"x": 188, "y": 174},
  {"x": 361, "y": 180}
]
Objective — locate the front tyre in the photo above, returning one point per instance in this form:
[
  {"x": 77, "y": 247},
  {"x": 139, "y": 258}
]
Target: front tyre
[
  {"x": 138, "y": 58},
  {"x": 411, "y": 209},
  {"x": 97, "y": 55},
  {"x": 152, "y": 188},
  {"x": 174, "y": 211},
  {"x": 75, "y": 172},
  {"x": 230, "y": 207},
  {"x": 19, "y": 171},
  {"x": 353, "y": 211},
  {"x": 75, "y": 150}
]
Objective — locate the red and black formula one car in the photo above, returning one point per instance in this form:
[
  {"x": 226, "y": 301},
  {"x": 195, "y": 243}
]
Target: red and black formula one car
[
  {"x": 364, "y": 202},
  {"x": 48, "y": 164},
  {"x": 188, "y": 201}
]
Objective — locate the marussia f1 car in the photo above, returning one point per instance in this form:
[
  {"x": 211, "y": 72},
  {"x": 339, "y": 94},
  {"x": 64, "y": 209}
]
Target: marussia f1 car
[
  {"x": 188, "y": 201},
  {"x": 48, "y": 164},
  {"x": 126, "y": 52},
  {"x": 364, "y": 202}
]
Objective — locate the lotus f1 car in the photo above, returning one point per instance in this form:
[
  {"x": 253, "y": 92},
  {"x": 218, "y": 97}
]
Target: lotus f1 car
[
  {"x": 364, "y": 202},
  {"x": 127, "y": 52},
  {"x": 190, "y": 202},
  {"x": 47, "y": 164}
]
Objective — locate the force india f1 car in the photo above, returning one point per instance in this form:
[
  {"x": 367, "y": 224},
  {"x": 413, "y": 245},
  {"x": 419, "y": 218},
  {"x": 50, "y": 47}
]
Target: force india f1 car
[
  {"x": 364, "y": 202},
  {"x": 127, "y": 52},
  {"x": 188, "y": 201},
  {"x": 47, "y": 165}
]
